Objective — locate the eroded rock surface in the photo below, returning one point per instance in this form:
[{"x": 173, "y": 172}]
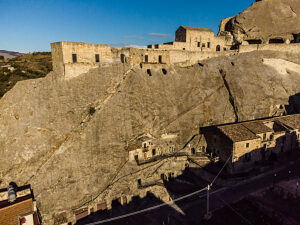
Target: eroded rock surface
[
  {"x": 265, "y": 20},
  {"x": 67, "y": 137}
]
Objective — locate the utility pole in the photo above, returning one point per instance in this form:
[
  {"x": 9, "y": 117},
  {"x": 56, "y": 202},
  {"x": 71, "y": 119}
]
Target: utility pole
[
  {"x": 207, "y": 199},
  {"x": 207, "y": 216}
]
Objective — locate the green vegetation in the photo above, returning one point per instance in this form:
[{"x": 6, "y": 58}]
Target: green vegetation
[
  {"x": 29, "y": 66},
  {"x": 1, "y": 57}
]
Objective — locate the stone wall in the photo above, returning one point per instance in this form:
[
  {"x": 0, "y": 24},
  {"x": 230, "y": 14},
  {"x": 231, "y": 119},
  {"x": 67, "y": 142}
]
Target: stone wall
[
  {"x": 179, "y": 56},
  {"x": 174, "y": 53},
  {"x": 138, "y": 56},
  {"x": 63, "y": 61},
  {"x": 292, "y": 48}
]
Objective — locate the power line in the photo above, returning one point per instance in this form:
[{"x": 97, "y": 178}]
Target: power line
[
  {"x": 163, "y": 204},
  {"x": 211, "y": 184},
  {"x": 148, "y": 209}
]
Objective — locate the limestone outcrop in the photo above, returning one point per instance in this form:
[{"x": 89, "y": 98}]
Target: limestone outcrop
[
  {"x": 265, "y": 20},
  {"x": 68, "y": 137}
]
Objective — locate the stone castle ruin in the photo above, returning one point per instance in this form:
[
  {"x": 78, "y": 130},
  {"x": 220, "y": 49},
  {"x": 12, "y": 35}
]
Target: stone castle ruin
[
  {"x": 256, "y": 28},
  {"x": 191, "y": 45}
]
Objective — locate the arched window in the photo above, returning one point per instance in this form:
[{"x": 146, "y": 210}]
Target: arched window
[{"x": 218, "y": 48}]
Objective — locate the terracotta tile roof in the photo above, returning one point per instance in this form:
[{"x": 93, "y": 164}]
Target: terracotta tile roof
[
  {"x": 237, "y": 132},
  {"x": 257, "y": 127},
  {"x": 9, "y": 215},
  {"x": 197, "y": 28},
  {"x": 292, "y": 121}
]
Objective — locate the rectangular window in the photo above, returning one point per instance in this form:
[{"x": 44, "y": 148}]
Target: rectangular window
[
  {"x": 97, "y": 58},
  {"x": 159, "y": 59},
  {"x": 203, "y": 45},
  {"x": 146, "y": 58},
  {"x": 208, "y": 44},
  {"x": 74, "y": 58},
  {"x": 198, "y": 45},
  {"x": 247, "y": 145},
  {"x": 153, "y": 152}
]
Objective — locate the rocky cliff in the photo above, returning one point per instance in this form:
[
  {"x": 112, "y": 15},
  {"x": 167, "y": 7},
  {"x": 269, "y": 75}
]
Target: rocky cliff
[
  {"x": 264, "y": 20},
  {"x": 67, "y": 137}
]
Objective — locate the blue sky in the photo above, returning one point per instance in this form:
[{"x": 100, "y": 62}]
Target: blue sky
[{"x": 31, "y": 25}]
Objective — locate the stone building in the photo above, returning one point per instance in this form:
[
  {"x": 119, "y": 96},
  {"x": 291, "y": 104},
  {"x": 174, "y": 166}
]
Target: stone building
[
  {"x": 151, "y": 148},
  {"x": 195, "y": 39},
  {"x": 249, "y": 142},
  {"x": 17, "y": 206},
  {"x": 191, "y": 45},
  {"x": 69, "y": 58}
]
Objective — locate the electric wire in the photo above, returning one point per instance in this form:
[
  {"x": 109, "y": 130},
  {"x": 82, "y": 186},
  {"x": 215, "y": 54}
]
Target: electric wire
[
  {"x": 149, "y": 209},
  {"x": 211, "y": 184},
  {"x": 163, "y": 204}
]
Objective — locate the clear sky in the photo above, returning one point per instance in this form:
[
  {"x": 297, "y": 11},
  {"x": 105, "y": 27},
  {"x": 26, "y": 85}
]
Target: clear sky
[{"x": 31, "y": 25}]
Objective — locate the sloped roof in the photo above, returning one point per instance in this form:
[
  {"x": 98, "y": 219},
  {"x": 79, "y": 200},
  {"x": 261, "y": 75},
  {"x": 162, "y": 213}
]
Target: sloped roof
[
  {"x": 257, "y": 127},
  {"x": 197, "y": 28},
  {"x": 292, "y": 121},
  {"x": 237, "y": 132}
]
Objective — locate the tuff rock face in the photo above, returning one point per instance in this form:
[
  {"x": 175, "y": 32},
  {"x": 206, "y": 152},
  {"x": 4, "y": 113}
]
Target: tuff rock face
[
  {"x": 264, "y": 20},
  {"x": 68, "y": 137}
]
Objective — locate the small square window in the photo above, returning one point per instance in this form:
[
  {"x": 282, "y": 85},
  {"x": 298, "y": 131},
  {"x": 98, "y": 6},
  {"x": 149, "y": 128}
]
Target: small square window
[{"x": 247, "y": 145}]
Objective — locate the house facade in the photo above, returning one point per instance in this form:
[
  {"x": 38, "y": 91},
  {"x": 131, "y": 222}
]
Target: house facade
[{"x": 246, "y": 143}]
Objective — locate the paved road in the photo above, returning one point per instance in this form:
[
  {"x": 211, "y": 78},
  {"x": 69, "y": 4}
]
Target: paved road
[{"x": 196, "y": 209}]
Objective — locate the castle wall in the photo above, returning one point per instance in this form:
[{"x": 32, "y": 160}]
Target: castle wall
[
  {"x": 57, "y": 57},
  {"x": 179, "y": 56},
  {"x": 62, "y": 56},
  {"x": 138, "y": 56},
  {"x": 85, "y": 52},
  {"x": 75, "y": 69},
  {"x": 292, "y": 48}
]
